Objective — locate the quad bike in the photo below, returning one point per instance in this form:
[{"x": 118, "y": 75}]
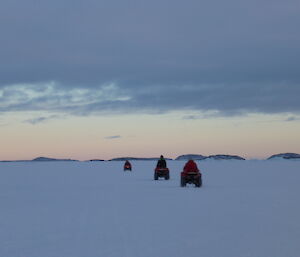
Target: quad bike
[
  {"x": 191, "y": 178},
  {"x": 127, "y": 167},
  {"x": 161, "y": 172}
]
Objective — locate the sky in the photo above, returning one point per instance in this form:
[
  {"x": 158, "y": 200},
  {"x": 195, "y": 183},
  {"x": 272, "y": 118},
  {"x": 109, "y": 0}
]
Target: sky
[{"x": 103, "y": 79}]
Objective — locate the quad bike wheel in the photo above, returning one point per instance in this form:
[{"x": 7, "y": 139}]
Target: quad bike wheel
[
  {"x": 198, "y": 182},
  {"x": 182, "y": 182}
]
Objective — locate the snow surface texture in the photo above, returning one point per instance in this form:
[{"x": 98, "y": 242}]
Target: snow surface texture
[{"x": 94, "y": 209}]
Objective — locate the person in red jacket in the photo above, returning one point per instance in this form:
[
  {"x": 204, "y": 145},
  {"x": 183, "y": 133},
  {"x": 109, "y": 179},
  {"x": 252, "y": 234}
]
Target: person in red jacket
[
  {"x": 190, "y": 166},
  {"x": 127, "y": 165},
  {"x": 191, "y": 174}
]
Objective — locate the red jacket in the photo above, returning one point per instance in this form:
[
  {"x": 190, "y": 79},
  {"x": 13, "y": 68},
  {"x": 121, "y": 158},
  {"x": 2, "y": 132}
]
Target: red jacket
[
  {"x": 127, "y": 164},
  {"x": 190, "y": 166}
]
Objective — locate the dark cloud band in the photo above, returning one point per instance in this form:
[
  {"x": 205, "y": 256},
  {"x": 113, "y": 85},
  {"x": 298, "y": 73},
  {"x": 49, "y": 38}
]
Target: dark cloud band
[
  {"x": 224, "y": 99},
  {"x": 231, "y": 56}
]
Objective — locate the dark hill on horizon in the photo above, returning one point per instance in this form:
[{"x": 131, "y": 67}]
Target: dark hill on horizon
[
  {"x": 138, "y": 159},
  {"x": 46, "y": 159},
  {"x": 285, "y": 156},
  {"x": 197, "y": 157},
  {"x": 42, "y": 159},
  {"x": 214, "y": 157}
]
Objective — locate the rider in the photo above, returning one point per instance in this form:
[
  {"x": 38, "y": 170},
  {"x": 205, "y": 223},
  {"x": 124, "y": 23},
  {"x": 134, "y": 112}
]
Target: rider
[
  {"x": 127, "y": 164},
  {"x": 190, "y": 166},
  {"x": 161, "y": 163}
]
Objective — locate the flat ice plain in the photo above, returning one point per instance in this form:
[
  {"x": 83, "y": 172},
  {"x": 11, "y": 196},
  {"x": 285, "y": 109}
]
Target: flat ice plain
[{"x": 94, "y": 209}]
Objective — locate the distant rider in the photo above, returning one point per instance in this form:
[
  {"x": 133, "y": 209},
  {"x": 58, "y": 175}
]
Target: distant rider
[
  {"x": 161, "y": 163},
  {"x": 127, "y": 165}
]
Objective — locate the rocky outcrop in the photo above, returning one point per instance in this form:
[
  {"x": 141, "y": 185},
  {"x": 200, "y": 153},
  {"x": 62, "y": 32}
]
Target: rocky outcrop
[
  {"x": 225, "y": 157},
  {"x": 137, "y": 159},
  {"x": 212, "y": 157},
  {"x": 285, "y": 156},
  {"x": 46, "y": 159},
  {"x": 191, "y": 156}
]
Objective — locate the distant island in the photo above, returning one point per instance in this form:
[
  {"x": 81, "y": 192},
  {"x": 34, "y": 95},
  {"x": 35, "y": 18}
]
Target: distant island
[
  {"x": 184, "y": 157},
  {"x": 137, "y": 159},
  {"x": 285, "y": 156},
  {"x": 191, "y": 156},
  {"x": 42, "y": 159},
  {"x": 213, "y": 157},
  {"x": 46, "y": 159},
  {"x": 225, "y": 157}
]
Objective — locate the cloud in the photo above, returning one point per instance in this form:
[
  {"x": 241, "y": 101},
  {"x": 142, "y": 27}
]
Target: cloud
[
  {"x": 213, "y": 100},
  {"x": 191, "y": 117},
  {"x": 292, "y": 118},
  {"x": 38, "y": 120},
  {"x": 50, "y": 96},
  {"x": 112, "y": 137},
  {"x": 198, "y": 55},
  {"x": 194, "y": 42}
]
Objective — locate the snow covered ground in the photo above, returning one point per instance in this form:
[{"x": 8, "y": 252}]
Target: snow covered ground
[{"x": 94, "y": 209}]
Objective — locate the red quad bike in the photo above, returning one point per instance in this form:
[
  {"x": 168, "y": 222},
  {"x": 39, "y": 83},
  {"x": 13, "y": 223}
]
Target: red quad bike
[
  {"x": 127, "y": 167},
  {"x": 161, "y": 172},
  {"x": 191, "y": 177}
]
